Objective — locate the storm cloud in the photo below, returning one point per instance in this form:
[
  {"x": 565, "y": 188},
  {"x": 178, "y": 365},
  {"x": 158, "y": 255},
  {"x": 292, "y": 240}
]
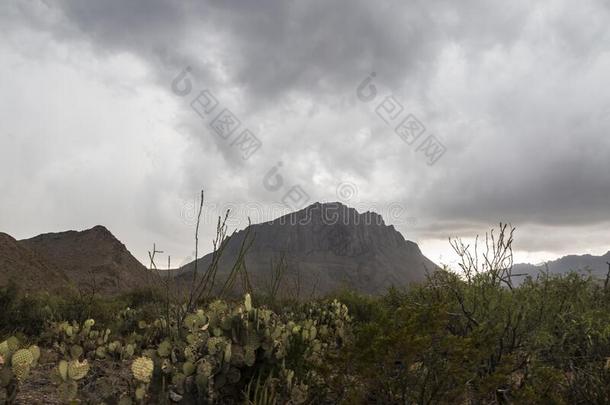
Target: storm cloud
[{"x": 516, "y": 92}]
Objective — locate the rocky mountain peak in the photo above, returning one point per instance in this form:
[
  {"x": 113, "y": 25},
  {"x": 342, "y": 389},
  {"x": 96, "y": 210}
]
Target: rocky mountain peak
[
  {"x": 331, "y": 242},
  {"x": 331, "y": 213}
]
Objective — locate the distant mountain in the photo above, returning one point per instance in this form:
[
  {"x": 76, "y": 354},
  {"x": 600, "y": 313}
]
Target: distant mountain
[
  {"x": 326, "y": 247},
  {"x": 597, "y": 265},
  {"x": 29, "y": 270},
  {"x": 90, "y": 258}
]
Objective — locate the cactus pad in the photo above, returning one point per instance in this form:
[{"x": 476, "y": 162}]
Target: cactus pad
[
  {"x": 35, "y": 350},
  {"x": 77, "y": 369},
  {"x": 142, "y": 369},
  {"x": 4, "y": 349},
  {"x": 23, "y": 356},
  {"x": 129, "y": 350},
  {"x": 62, "y": 368},
  {"x": 188, "y": 368},
  {"x": 13, "y": 343},
  {"x": 248, "y": 302},
  {"x": 21, "y": 370},
  {"x": 164, "y": 349},
  {"x": 100, "y": 352},
  {"x": 140, "y": 392}
]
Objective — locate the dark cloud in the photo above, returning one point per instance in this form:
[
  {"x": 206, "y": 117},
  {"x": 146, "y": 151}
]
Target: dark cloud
[
  {"x": 515, "y": 90},
  {"x": 269, "y": 48}
]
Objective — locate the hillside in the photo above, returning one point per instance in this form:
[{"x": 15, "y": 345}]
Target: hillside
[
  {"x": 579, "y": 263},
  {"x": 93, "y": 258},
  {"x": 29, "y": 270},
  {"x": 326, "y": 247}
]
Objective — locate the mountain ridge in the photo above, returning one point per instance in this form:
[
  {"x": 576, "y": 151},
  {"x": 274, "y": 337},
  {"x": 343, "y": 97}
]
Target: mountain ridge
[
  {"x": 326, "y": 246},
  {"x": 572, "y": 262},
  {"x": 92, "y": 258}
]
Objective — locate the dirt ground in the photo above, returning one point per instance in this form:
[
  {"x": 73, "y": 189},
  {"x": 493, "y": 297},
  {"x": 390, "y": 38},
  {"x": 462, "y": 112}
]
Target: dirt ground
[{"x": 105, "y": 382}]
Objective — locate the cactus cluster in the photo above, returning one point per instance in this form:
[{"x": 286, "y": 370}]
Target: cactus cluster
[
  {"x": 221, "y": 347},
  {"x": 78, "y": 345},
  {"x": 74, "y": 341},
  {"x": 211, "y": 355},
  {"x": 16, "y": 361},
  {"x": 68, "y": 375}
]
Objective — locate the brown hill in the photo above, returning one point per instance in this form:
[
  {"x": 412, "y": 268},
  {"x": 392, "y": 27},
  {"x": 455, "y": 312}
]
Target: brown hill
[
  {"x": 28, "y": 269},
  {"x": 93, "y": 258},
  {"x": 596, "y": 266},
  {"x": 326, "y": 247}
]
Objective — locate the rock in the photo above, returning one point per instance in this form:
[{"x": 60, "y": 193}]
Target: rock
[{"x": 326, "y": 247}]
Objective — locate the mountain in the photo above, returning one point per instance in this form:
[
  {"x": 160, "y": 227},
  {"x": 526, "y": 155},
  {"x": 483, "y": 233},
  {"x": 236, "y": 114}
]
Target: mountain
[
  {"x": 579, "y": 263},
  {"x": 325, "y": 247},
  {"x": 93, "y": 258},
  {"x": 27, "y": 268}
]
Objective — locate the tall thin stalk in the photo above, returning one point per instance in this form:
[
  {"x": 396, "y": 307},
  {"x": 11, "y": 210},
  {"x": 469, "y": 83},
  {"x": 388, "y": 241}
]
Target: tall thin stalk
[{"x": 190, "y": 301}]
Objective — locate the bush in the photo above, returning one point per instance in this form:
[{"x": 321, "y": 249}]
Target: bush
[
  {"x": 210, "y": 355},
  {"x": 468, "y": 337}
]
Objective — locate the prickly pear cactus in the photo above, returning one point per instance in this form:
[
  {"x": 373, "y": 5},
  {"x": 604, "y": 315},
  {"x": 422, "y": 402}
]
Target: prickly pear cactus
[
  {"x": 21, "y": 362},
  {"x": 4, "y": 349},
  {"x": 12, "y": 344},
  {"x": 35, "y": 350},
  {"x": 22, "y": 356},
  {"x": 67, "y": 374},
  {"x": 207, "y": 356},
  {"x": 142, "y": 369},
  {"x": 15, "y": 365},
  {"x": 225, "y": 344},
  {"x": 21, "y": 371},
  {"x": 77, "y": 370}
]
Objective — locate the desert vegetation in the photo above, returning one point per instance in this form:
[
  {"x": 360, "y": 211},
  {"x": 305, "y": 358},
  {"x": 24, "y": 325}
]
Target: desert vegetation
[{"x": 463, "y": 336}]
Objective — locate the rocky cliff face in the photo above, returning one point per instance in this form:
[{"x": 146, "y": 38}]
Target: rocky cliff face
[{"x": 326, "y": 247}]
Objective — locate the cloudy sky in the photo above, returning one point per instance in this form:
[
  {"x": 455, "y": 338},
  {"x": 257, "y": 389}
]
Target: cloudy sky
[{"x": 96, "y": 127}]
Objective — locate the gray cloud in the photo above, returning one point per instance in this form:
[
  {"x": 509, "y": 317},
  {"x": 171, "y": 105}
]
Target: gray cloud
[{"x": 514, "y": 90}]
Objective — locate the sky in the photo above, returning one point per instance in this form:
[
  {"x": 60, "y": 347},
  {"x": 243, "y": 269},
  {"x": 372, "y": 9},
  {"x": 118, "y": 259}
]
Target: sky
[{"x": 445, "y": 117}]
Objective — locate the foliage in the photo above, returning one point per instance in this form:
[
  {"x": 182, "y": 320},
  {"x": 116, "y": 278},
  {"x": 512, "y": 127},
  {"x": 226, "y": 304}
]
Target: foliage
[
  {"x": 446, "y": 340},
  {"x": 212, "y": 356},
  {"x": 471, "y": 337}
]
